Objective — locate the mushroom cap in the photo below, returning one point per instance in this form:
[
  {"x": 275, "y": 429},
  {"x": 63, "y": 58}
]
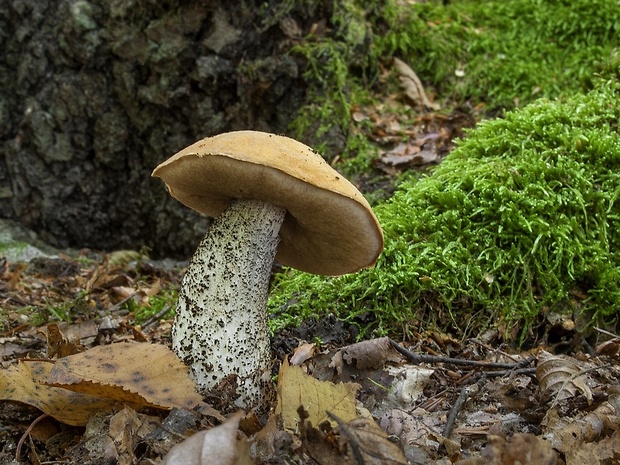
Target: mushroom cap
[{"x": 329, "y": 227}]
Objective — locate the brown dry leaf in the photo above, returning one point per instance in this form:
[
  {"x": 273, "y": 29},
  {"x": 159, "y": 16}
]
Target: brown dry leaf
[
  {"x": 296, "y": 388},
  {"x": 593, "y": 439},
  {"x": 139, "y": 373},
  {"x": 412, "y": 86},
  {"x": 404, "y": 156},
  {"x": 562, "y": 377},
  {"x": 520, "y": 449},
  {"x": 124, "y": 257},
  {"x": 60, "y": 346},
  {"x": 603, "y": 452},
  {"x": 216, "y": 446},
  {"x": 21, "y": 383},
  {"x": 127, "y": 428},
  {"x": 303, "y": 353},
  {"x": 366, "y": 355},
  {"x": 410, "y": 428},
  {"x": 610, "y": 348},
  {"x": 358, "y": 442}
]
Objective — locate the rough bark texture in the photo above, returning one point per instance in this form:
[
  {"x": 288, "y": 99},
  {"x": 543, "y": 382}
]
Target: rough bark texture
[{"x": 95, "y": 93}]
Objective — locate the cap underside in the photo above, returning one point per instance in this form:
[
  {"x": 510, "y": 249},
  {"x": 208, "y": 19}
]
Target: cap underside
[{"x": 329, "y": 227}]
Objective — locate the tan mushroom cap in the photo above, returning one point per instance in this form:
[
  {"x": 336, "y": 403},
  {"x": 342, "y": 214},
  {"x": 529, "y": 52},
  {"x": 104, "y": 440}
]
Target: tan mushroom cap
[{"x": 329, "y": 226}]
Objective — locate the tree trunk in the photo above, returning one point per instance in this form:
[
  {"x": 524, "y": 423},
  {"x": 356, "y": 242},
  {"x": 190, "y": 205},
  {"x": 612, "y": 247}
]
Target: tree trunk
[{"x": 95, "y": 93}]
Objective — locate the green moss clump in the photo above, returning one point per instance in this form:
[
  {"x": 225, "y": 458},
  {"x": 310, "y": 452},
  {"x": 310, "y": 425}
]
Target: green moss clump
[
  {"x": 501, "y": 53},
  {"x": 521, "y": 214},
  {"x": 506, "y": 52}
]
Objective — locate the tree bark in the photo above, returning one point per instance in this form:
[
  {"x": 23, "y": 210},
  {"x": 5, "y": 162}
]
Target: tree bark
[{"x": 95, "y": 93}]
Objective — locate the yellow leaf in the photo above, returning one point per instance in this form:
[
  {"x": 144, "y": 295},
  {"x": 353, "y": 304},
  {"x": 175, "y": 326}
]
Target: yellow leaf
[
  {"x": 296, "y": 388},
  {"x": 21, "y": 383},
  {"x": 139, "y": 373}
]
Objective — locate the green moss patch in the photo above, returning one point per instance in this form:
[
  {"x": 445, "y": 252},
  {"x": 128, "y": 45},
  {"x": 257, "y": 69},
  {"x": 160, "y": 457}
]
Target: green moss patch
[
  {"x": 504, "y": 53},
  {"x": 492, "y": 54},
  {"x": 522, "y": 217}
]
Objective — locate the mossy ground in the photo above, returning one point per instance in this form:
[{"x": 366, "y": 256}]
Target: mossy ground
[
  {"x": 519, "y": 219},
  {"x": 492, "y": 54}
]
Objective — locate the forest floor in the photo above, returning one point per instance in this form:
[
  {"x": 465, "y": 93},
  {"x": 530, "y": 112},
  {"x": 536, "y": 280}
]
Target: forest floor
[{"x": 429, "y": 399}]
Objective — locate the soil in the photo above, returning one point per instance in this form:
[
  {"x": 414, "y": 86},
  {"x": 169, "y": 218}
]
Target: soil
[{"x": 431, "y": 399}]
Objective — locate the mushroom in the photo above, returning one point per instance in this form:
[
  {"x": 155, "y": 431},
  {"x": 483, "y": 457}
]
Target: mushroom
[{"x": 272, "y": 197}]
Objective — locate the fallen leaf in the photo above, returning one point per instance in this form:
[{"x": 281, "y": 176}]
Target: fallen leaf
[
  {"x": 366, "y": 355},
  {"x": 179, "y": 423},
  {"x": 127, "y": 428},
  {"x": 216, "y": 446},
  {"x": 409, "y": 383},
  {"x": 412, "y": 86},
  {"x": 123, "y": 257},
  {"x": 602, "y": 452},
  {"x": 296, "y": 388},
  {"x": 22, "y": 383},
  {"x": 410, "y": 427},
  {"x": 610, "y": 348},
  {"x": 358, "y": 442},
  {"x": 139, "y": 373},
  {"x": 60, "y": 346},
  {"x": 561, "y": 377},
  {"x": 520, "y": 449},
  {"x": 303, "y": 353},
  {"x": 567, "y": 434}
]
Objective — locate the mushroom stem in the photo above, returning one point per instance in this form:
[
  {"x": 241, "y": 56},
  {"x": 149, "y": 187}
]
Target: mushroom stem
[{"x": 220, "y": 326}]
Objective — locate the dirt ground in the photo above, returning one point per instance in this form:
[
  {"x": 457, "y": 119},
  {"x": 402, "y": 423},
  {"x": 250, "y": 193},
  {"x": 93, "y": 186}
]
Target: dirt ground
[{"x": 432, "y": 399}]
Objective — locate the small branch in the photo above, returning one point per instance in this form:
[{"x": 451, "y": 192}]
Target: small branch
[
  {"x": 157, "y": 316},
  {"x": 18, "y": 451},
  {"x": 455, "y": 410},
  {"x": 116, "y": 307},
  {"x": 418, "y": 358}
]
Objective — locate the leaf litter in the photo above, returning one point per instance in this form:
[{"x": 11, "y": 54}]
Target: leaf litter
[
  {"x": 127, "y": 399},
  {"x": 83, "y": 382}
]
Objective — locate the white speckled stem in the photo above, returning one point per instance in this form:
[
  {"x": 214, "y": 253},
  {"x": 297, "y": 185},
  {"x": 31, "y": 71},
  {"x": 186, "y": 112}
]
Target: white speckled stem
[{"x": 220, "y": 326}]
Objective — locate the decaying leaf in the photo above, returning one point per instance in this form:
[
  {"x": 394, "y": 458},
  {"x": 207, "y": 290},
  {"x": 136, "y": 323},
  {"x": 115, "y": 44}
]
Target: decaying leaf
[
  {"x": 409, "y": 383},
  {"x": 303, "y": 353},
  {"x": 60, "y": 346},
  {"x": 142, "y": 374},
  {"x": 216, "y": 446},
  {"x": 593, "y": 438},
  {"x": 123, "y": 257},
  {"x": 561, "y": 377},
  {"x": 358, "y": 442},
  {"x": 296, "y": 388},
  {"x": 611, "y": 348},
  {"x": 127, "y": 428},
  {"x": 411, "y": 157},
  {"x": 113, "y": 439},
  {"x": 366, "y": 355},
  {"x": 520, "y": 449},
  {"x": 22, "y": 383},
  {"x": 411, "y": 429},
  {"x": 412, "y": 86}
]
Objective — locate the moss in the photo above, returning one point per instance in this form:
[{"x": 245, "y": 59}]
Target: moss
[
  {"x": 509, "y": 53},
  {"x": 523, "y": 213},
  {"x": 502, "y": 54}
]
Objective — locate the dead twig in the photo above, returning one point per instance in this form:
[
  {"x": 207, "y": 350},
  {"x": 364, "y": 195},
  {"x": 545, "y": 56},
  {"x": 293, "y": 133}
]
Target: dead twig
[
  {"x": 455, "y": 410},
  {"x": 419, "y": 358},
  {"x": 156, "y": 317},
  {"x": 18, "y": 450}
]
